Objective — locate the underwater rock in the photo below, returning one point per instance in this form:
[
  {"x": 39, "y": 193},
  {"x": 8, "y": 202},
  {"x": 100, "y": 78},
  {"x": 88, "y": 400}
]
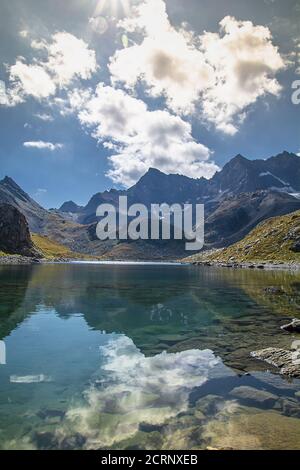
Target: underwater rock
[
  {"x": 254, "y": 430},
  {"x": 48, "y": 414},
  {"x": 290, "y": 407},
  {"x": 273, "y": 290},
  {"x": 295, "y": 345},
  {"x": 293, "y": 327},
  {"x": 251, "y": 394},
  {"x": 45, "y": 440},
  {"x": 76, "y": 441},
  {"x": 209, "y": 405},
  {"x": 287, "y": 361}
]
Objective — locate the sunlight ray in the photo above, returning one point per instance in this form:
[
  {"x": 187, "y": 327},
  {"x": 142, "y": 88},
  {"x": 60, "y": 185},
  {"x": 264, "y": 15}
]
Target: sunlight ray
[{"x": 114, "y": 7}]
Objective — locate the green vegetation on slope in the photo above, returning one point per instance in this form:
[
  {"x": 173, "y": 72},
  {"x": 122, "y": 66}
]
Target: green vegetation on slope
[
  {"x": 272, "y": 241},
  {"x": 52, "y": 250}
]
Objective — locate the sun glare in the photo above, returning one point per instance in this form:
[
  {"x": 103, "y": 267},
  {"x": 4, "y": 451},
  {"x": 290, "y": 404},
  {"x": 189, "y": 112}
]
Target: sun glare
[{"x": 113, "y": 7}]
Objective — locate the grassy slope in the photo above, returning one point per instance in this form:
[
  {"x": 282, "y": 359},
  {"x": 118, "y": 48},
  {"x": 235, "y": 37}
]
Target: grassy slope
[
  {"x": 269, "y": 242},
  {"x": 51, "y": 249}
]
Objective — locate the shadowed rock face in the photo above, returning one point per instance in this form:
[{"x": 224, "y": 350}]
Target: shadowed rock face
[{"x": 14, "y": 232}]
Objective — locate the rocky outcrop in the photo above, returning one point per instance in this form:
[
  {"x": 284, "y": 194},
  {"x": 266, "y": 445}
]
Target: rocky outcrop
[
  {"x": 287, "y": 361},
  {"x": 14, "y": 233}
]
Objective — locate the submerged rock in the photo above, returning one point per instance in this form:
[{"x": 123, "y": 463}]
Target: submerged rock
[
  {"x": 290, "y": 407},
  {"x": 296, "y": 247},
  {"x": 293, "y": 327},
  {"x": 253, "y": 395},
  {"x": 295, "y": 345},
  {"x": 287, "y": 361},
  {"x": 273, "y": 290},
  {"x": 253, "y": 429}
]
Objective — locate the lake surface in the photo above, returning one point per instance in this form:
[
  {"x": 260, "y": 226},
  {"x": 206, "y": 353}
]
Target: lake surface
[{"x": 145, "y": 356}]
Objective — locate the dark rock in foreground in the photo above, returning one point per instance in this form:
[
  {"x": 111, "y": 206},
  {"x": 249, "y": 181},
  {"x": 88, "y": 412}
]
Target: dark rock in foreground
[
  {"x": 14, "y": 233},
  {"x": 293, "y": 327},
  {"x": 287, "y": 361}
]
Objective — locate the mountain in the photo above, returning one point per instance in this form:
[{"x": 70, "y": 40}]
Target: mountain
[
  {"x": 70, "y": 207},
  {"x": 274, "y": 241},
  {"x": 239, "y": 175},
  {"x": 236, "y": 215},
  {"x": 12, "y": 194},
  {"x": 236, "y": 199}
]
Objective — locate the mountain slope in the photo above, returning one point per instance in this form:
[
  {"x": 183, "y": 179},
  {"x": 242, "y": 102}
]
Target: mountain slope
[
  {"x": 12, "y": 194},
  {"x": 274, "y": 241},
  {"x": 236, "y": 215}
]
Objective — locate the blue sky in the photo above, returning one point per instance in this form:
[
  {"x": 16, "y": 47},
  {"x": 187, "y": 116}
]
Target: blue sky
[{"x": 91, "y": 96}]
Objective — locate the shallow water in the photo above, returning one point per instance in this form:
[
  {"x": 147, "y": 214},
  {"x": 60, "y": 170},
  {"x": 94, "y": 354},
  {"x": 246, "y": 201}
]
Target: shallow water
[{"x": 144, "y": 356}]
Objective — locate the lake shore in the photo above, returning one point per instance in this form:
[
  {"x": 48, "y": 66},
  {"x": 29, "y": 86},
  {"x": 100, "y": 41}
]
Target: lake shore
[
  {"x": 16, "y": 260},
  {"x": 255, "y": 265}
]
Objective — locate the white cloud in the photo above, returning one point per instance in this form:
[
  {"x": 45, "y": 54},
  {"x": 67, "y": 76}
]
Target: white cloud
[
  {"x": 220, "y": 74},
  {"x": 41, "y": 145},
  {"x": 167, "y": 60},
  {"x": 32, "y": 80},
  {"x": 138, "y": 389},
  {"x": 65, "y": 58},
  {"x": 3, "y": 95},
  {"x": 69, "y": 57},
  {"x": 24, "y": 33},
  {"x": 140, "y": 138},
  {"x": 44, "y": 117},
  {"x": 245, "y": 63}
]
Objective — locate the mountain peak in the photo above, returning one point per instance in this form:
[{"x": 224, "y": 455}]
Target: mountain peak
[
  {"x": 8, "y": 181},
  {"x": 151, "y": 175},
  {"x": 70, "y": 206},
  {"x": 154, "y": 171},
  {"x": 239, "y": 158}
]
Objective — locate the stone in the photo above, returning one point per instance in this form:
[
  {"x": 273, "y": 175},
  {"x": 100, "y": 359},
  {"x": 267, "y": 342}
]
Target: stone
[
  {"x": 287, "y": 361},
  {"x": 293, "y": 327},
  {"x": 73, "y": 442},
  {"x": 45, "y": 440},
  {"x": 14, "y": 233},
  {"x": 255, "y": 430},
  {"x": 253, "y": 395},
  {"x": 295, "y": 248},
  {"x": 273, "y": 290},
  {"x": 295, "y": 345},
  {"x": 290, "y": 407},
  {"x": 208, "y": 405}
]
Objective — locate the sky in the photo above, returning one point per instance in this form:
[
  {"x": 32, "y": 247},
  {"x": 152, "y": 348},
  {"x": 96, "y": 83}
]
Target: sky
[{"x": 95, "y": 92}]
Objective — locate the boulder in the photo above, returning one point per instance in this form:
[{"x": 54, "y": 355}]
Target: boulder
[
  {"x": 254, "y": 395},
  {"x": 14, "y": 233},
  {"x": 295, "y": 345},
  {"x": 287, "y": 361},
  {"x": 295, "y": 247},
  {"x": 290, "y": 407},
  {"x": 293, "y": 327},
  {"x": 273, "y": 290}
]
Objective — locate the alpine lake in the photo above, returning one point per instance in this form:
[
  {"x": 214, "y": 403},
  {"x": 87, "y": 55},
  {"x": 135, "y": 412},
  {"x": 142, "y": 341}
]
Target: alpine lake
[{"x": 145, "y": 356}]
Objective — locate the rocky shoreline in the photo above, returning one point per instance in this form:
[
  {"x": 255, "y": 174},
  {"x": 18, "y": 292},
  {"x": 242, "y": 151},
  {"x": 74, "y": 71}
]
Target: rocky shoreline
[
  {"x": 16, "y": 260},
  {"x": 259, "y": 265}
]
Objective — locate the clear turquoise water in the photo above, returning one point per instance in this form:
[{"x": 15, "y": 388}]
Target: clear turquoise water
[{"x": 143, "y": 356}]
